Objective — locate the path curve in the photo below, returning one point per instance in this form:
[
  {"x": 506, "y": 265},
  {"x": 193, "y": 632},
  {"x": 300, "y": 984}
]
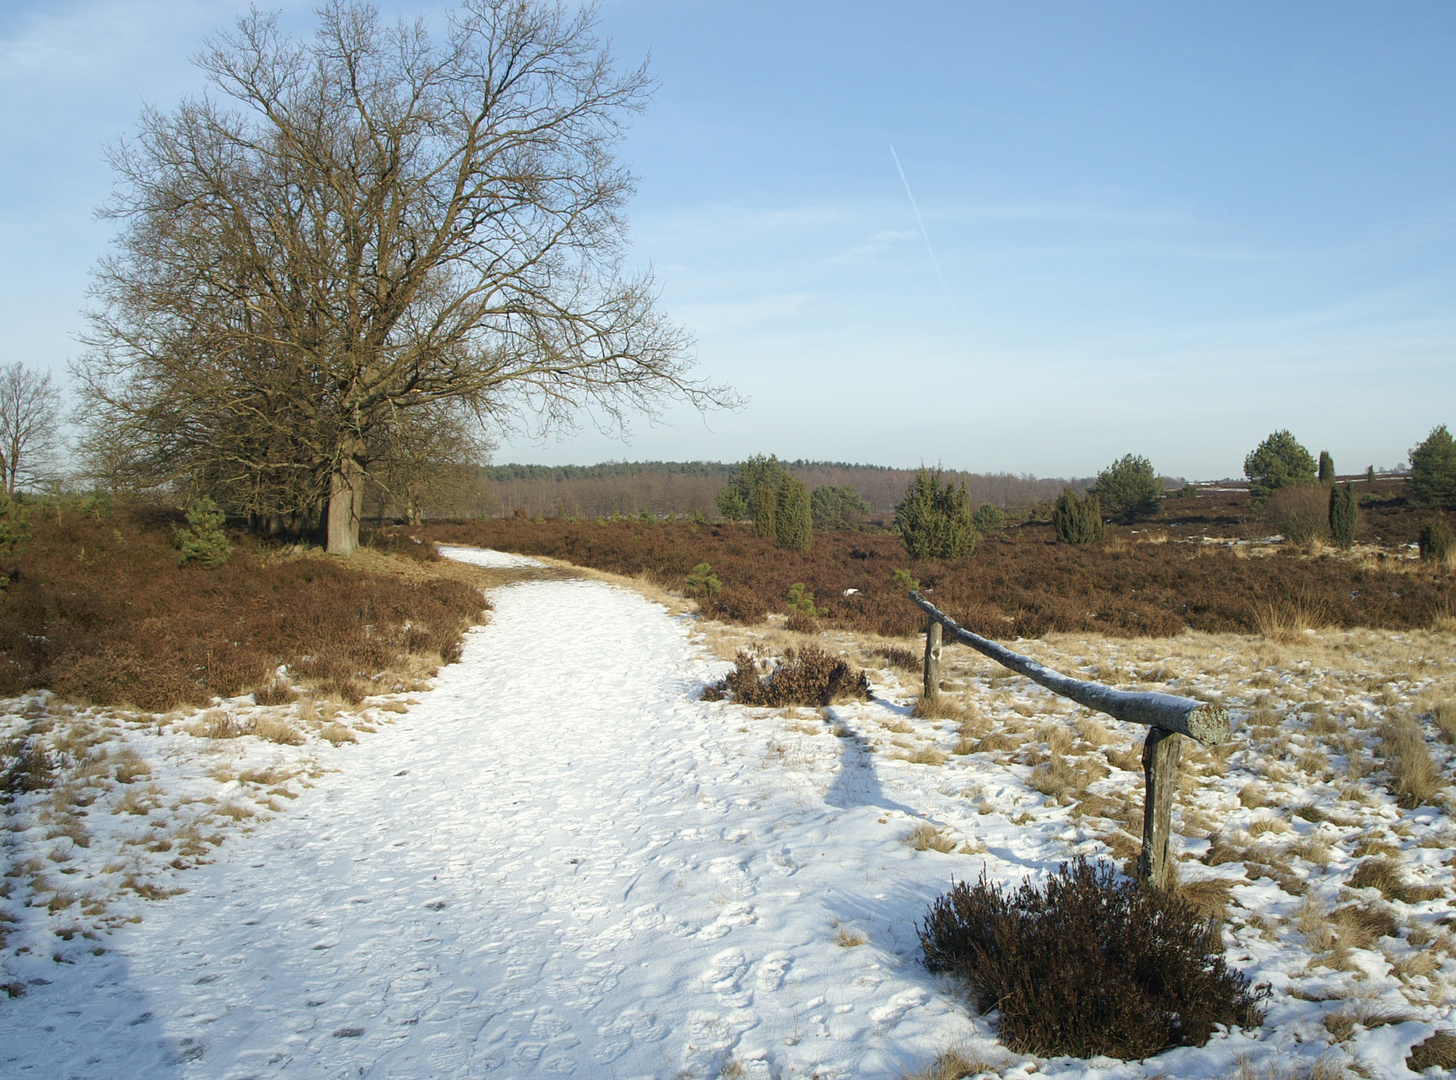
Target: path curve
[{"x": 559, "y": 864}]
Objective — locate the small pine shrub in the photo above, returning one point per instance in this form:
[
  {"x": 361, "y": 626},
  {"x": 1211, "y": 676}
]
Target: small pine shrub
[
  {"x": 1089, "y": 964},
  {"x": 802, "y": 600},
  {"x": 1078, "y": 520},
  {"x": 1326, "y": 469},
  {"x": 1344, "y": 515},
  {"x": 203, "y": 541},
  {"x": 807, "y": 676},
  {"x": 1438, "y": 544},
  {"x": 989, "y": 520},
  {"x": 702, "y": 581},
  {"x": 14, "y": 526}
]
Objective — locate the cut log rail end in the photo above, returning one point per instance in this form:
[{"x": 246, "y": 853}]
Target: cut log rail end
[{"x": 1163, "y": 714}]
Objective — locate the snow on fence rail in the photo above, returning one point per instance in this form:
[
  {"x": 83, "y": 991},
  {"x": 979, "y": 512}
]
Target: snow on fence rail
[{"x": 1165, "y": 716}]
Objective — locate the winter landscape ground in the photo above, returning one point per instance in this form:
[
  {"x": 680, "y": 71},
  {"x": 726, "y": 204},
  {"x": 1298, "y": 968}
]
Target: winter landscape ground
[{"x": 558, "y": 861}]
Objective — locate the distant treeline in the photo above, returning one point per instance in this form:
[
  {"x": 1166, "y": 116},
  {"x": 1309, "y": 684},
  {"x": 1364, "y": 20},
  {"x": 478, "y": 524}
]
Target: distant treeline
[{"x": 682, "y": 487}]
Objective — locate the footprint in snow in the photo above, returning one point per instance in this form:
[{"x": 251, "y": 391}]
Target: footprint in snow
[{"x": 771, "y": 971}]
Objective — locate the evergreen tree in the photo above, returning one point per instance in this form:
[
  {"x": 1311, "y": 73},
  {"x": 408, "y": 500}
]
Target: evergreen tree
[
  {"x": 1344, "y": 514},
  {"x": 765, "y": 507},
  {"x": 833, "y": 506},
  {"x": 989, "y": 520},
  {"x": 1129, "y": 488},
  {"x": 793, "y": 523},
  {"x": 1326, "y": 469},
  {"x": 203, "y": 541},
  {"x": 934, "y": 520},
  {"x": 1279, "y": 461},
  {"x": 1078, "y": 520},
  {"x": 731, "y": 503},
  {"x": 1432, "y": 480},
  {"x": 1370, "y": 474}
]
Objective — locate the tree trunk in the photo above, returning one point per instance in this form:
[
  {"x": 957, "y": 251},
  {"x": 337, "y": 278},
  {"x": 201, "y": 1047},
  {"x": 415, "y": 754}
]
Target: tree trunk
[{"x": 346, "y": 502}]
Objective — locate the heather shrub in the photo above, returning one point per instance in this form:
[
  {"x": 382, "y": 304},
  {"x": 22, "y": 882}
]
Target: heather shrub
[
  {"x": 807, "y": 676},
  {"x": 1437, "y": 543},
  {"x": 1078, "y": 520},
  {"x": 1344, "y": 514},
  {"x": 1299, "y": 514},
  {"x": 1089, "y": 965},
  {"x": 203, "y": 541},
  {"x": 1277, "y": 462},
  {"x": 934, "y": 519},
  {"x": 1129, "y": 488}
]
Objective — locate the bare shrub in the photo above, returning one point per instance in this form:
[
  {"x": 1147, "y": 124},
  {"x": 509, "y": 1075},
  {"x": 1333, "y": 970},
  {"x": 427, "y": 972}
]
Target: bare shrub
[
  {"x": 25, "y": 765},
  {"x": 1299, "y": 514},
  {"x": 807, "y": 676},
  {"x": 1089, "y": 964},
  {"x": 273, "y": 692},
  {"x": 903, "y": 659}
]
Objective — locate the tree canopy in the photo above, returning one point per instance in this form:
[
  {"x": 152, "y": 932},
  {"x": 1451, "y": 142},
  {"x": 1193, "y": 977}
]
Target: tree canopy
[
  {"x": 1432, "y": 480},
  {"x": 369, "y": 222},
  {"x": 1129, "y": 488},
  {"x": 1279, "y": 461},
  {"x": 934, "y": 518}
]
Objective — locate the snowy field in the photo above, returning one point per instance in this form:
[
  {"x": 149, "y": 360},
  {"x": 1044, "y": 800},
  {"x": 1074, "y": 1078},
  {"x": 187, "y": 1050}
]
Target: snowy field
[{"x": 559, "y": 862}]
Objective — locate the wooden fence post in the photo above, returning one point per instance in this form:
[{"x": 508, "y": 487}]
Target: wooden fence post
[
  {"x": 1161, "y": 750},
  {"x": 933, "y": 642}
]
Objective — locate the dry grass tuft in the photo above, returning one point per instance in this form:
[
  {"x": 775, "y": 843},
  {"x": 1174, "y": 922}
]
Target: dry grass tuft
[
  {"x": 337, "y": 734},
  {"x": 1055, "y": 776},
  {"x": 849, "y": 939},
  {"x": 928, "y": 837},
  {"x": 1437, "y": 1052},
  {"x": 1129, "y": 760},
  {"x": 923, "y": 755},
  {"x": 1263, "y": 825},
  {"x": 1414, "y": 779},
  {"x": 1444, "y": 714},
  {"x": 1387, "y": 875},
  {"x": 944, "y": 707},
  {"x": 274, "y": 730},
  {"x": 1210, "y": 897},
  {"x": 956, "y": 1065}
]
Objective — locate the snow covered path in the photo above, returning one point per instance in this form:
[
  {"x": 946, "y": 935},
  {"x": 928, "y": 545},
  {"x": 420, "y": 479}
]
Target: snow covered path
[{"x": 559, "y": 864}]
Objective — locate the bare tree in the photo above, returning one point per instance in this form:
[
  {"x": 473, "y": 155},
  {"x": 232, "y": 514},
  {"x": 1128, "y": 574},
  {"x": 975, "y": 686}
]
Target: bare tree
[
  {"x": 432, "y": 457},
  {"x": 30, "y": 412},
  {"x": 365, "y": 224}
]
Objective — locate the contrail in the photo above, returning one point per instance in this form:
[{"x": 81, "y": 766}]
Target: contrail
[{"x": 933, "y": 260}]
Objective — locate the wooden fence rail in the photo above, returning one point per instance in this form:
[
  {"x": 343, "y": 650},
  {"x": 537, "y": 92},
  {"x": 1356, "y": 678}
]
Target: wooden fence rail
[{"x": 1165, "y": 715}]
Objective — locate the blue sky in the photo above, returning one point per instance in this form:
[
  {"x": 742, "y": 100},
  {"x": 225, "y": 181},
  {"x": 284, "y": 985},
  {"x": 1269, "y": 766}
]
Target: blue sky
[{"x": 1159, "y": 229}]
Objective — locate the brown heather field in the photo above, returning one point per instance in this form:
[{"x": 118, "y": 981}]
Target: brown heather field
[
  {"x": 1157, "y": 578},
  {"x": 98, "y": 611}
]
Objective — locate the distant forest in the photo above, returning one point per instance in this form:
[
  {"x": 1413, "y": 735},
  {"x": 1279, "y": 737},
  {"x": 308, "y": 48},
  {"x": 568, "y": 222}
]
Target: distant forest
[{"x": 681, "y": 487}]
